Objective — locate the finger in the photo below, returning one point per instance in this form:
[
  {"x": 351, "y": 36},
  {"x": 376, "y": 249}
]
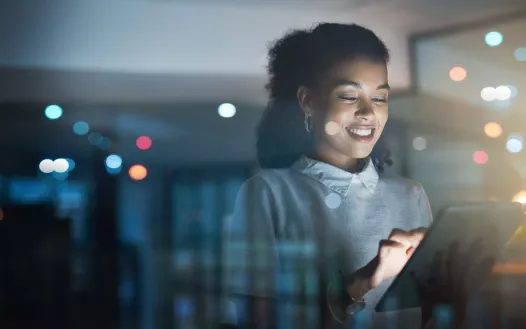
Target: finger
[
  {"x": 402, "y": 237},
  {"x": 417, "y": 234},
  {"x": 386, "y": 246},
  {"x": 410, "y": 252}
]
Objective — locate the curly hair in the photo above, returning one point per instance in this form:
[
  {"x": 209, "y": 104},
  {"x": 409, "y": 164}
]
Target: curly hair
[{"x": 300, "y": 58}]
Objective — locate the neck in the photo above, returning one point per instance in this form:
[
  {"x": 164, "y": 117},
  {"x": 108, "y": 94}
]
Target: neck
[{"x": 339, "y": 160}]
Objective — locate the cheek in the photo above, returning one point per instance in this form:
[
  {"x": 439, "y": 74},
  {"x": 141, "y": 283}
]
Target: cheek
[
  {"x": 339, "y": 114},
  {"x": 382, "y": 115}
]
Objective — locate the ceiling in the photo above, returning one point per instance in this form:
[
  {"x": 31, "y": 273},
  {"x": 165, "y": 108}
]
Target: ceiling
[{"x": 161, "y": 67}]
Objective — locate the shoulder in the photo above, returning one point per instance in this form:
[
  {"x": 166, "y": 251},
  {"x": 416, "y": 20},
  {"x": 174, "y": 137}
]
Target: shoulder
[
  {"x": 269, "y": 178},
  {"x": 401, "y": 185}
]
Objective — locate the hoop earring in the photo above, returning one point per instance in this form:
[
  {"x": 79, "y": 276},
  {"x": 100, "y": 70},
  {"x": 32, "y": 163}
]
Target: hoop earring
[{"x": 307, "y": 123}]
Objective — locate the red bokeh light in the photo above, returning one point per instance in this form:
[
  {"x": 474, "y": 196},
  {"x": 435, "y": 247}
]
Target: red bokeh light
[
  {"x": 143, "y": 142},
  {"x": 480, "y": 157}
]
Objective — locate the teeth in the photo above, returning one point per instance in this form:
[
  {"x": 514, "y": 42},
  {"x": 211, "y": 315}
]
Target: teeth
[{"x": 361, "y": 132}]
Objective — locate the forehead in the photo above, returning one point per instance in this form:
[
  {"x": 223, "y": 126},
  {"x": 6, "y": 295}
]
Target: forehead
[{"x": 361, "y": 70}]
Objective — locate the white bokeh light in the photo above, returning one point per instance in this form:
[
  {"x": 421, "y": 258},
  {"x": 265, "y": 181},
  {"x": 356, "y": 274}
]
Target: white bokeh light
[
  {"x": 502, "y": 93},
  {"x": 514, "y": 143},
  {"x": 46, "y": 166},
  {"x": 60, "y": 165},
  {"x": 494, "y": 38},
  {"x": 419, "y": 143},
  {"x": 488, "y": 94},
  {"x": 333, "y": 201},
  {"x": 226, "y": 110}
]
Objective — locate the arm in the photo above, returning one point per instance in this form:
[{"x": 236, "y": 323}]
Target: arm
[{"x": 252, "y": 257}]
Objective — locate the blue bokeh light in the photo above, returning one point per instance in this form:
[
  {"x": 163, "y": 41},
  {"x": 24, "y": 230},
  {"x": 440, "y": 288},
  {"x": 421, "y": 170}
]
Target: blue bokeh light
[
  {"x": 113, "y": 161},
  {"x": 493, "y": 39},
  {"x": 113, "y": 171},
  {"x": 71, "y": 163},
  {"x": 60, "y": 176},
  {"x": 95, "y": 138},
  {"x": 81, "y": 128},
  {"x": 105, "y": 144},
  {"x": 53, "y": 112},
  {"x": 520, "y": 54}
]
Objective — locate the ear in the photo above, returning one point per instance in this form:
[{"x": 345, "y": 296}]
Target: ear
[{"x": 304, "y": 97}]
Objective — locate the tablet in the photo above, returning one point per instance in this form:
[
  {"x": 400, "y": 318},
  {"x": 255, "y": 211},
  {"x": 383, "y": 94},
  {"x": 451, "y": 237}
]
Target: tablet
[{"x": 495, "y": 223}]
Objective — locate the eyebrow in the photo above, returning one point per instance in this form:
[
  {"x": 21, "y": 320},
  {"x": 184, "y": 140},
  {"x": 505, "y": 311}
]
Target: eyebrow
[{"x": 345, "y": 82}]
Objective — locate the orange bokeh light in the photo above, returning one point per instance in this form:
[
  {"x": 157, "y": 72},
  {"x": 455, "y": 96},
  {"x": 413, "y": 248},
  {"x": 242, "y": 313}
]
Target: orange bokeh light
[
  {"x": 480, "y": 157},
  {"x": 138, "y": 172},
  {"x": 457, "y": 73},
  {"x": 493, "y": 129}
]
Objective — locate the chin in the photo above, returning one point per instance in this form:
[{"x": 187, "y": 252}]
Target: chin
[{"x": 359, "y": 154}]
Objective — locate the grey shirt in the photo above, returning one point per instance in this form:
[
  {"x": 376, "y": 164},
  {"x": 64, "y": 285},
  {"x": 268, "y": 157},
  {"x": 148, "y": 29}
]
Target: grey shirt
[{"x": 289, "y": 223}]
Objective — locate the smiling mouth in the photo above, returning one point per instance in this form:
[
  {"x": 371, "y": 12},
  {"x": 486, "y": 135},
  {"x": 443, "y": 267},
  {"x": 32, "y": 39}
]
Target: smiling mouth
[{"x": 364, "y": 135}]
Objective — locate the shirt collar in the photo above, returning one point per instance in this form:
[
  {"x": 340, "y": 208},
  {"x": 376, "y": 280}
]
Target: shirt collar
[{"x": 336, "y": 178}]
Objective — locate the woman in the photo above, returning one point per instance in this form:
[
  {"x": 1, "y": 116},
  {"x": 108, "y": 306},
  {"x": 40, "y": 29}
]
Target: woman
[{"x": 320, "y": 202}]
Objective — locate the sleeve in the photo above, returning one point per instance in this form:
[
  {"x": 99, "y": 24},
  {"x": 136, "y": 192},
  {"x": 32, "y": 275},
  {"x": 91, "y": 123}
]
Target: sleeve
[
  {"x": 424, "y": 208},
  {"x": 252, "y": 252}
]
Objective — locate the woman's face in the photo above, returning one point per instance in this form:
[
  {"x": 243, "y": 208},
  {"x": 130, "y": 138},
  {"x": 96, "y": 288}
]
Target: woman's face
[{"x": 348, "y": 110}]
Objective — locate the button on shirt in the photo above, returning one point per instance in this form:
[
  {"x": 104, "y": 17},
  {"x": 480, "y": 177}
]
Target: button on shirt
[{"x": 289, "y": 223}]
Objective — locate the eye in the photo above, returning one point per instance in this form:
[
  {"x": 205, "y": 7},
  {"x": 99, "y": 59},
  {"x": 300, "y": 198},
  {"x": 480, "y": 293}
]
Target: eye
[
  {"x": 348, "y": 98},
  {"x": 379, "y": 99}
]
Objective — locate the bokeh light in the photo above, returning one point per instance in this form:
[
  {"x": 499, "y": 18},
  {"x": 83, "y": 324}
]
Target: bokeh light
[
  {"x": 492, "y": 129},
  {"x": 520, "y": 54},
  {"x": 502, "y": 93},
  {"x": 60, "y": 175},
  {"x": 60, "y": 165},
  {"x": 494, "y": 38},
  {"x": 71, "y": 164},
  {"x": 332, "y": 128},
  {"x": 81, "y": 128},
  {"x": 53, "y": 112},
  {"x": 226, "y": 110},
  {"x": 333, "y": 201},
  {"x": 513, "y": 90},
  {"x": 520, "y": 197},
  {"x": 457, "y": 73},
  {"x": 46, "y": 166},
  {"x": 113, "y": 161},
  {"x": 95, "y": 138},
  {"x": 419, "y": 143},
  {"x": 488, "y": 94},
  {"x": 480, "y": 157},
  {"x": 114, "y": 171},
  {"x": 105, "y": 144},
  {"x": 138, "y": 172},
  {"x": 143, "y": 142},
  {"x": 514, "y": 143}
]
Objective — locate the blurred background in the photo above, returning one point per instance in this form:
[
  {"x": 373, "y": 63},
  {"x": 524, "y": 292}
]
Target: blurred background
[{"x": 127, "y": 127}]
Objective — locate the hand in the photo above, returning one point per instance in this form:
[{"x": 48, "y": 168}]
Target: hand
[
  {"x": 394, "y": 253},
  {"x": 457, "y": 275},
  {"x": 392, "y": 256}
]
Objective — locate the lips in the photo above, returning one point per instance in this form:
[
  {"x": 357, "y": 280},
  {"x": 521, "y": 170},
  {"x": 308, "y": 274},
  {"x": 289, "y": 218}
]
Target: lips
[{"x": 361, "y": 134}]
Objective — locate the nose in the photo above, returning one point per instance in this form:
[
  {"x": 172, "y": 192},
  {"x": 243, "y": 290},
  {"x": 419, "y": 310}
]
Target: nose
[{"x": 365, "y": 112}]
